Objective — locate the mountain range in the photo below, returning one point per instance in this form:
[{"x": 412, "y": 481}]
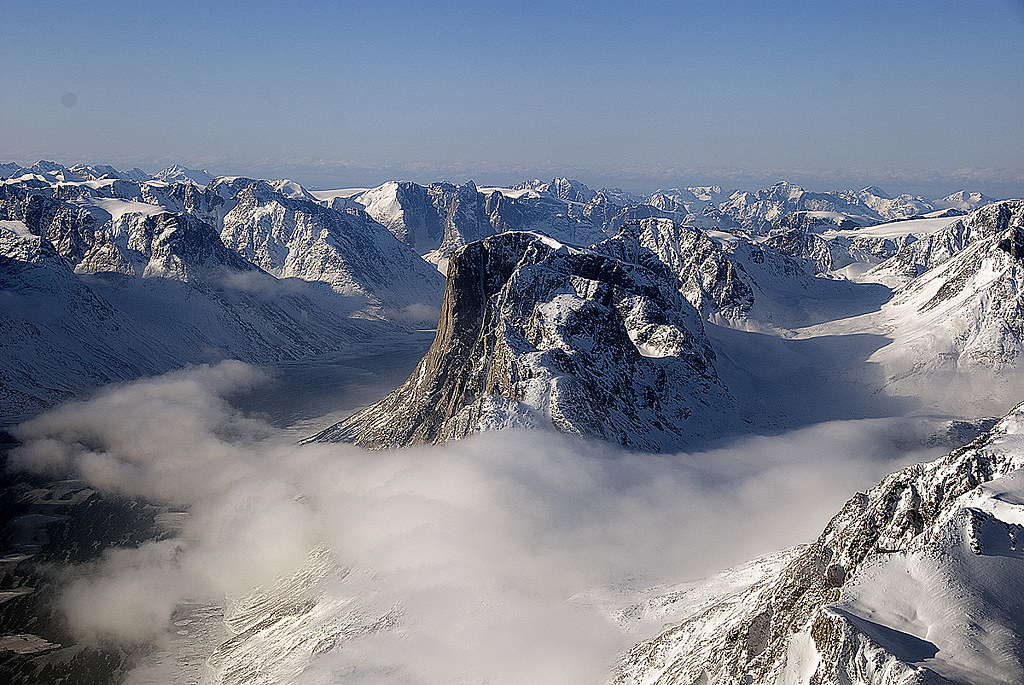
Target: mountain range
[{"x": 679, "y": 320}]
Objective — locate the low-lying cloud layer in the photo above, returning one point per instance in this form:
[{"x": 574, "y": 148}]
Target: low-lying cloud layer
[{"x": 480, "y": 548}]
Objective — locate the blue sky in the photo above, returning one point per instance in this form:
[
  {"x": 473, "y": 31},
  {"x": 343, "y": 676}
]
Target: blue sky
[{"x": 919, "y": 96}]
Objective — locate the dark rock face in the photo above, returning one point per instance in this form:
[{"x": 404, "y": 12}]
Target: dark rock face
[
  {"x": 1013, "y": 244},
  {"x": 535, "y": 333}
]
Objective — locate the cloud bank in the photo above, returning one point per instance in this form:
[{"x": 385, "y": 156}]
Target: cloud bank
[{"x": 478, "y": 550}]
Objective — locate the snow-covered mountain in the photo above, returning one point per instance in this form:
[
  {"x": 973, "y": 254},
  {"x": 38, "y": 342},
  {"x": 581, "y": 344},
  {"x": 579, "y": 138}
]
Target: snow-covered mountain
[
  {"x": 59, "y": 338},
  {"x": 733, "y": 279},
  {"x": 967, "y": 307},
  {"x": 707, "y": 278},
  {"x": 775, "y": 206},
  {"x": 758, "y": 211},
  {"x": 964, "y": 312},
  {"x": 181, "y": 174},
  {"x": 121, "y": 317},
  {"x": 846, "y": 251},
  {"x": 290, "y": 235},
  {"x": 656, "y": 323},
  {"x": 112, "y": 279},
  {"x": 918, "y": 257},
  {"x": 438, "y": 219},
  {"x": 536, "y": 333},
  {"x": 965, "y": 201},
  {"x": 919, "y": 580},
  {"x": 95, "y": 172},
  {"x": 58, "y": 173},
  {"x": 97, "y": 228}
]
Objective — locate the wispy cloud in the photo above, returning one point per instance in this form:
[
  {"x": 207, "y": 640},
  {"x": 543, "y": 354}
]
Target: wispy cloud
[{"x": 480, "y": 544}]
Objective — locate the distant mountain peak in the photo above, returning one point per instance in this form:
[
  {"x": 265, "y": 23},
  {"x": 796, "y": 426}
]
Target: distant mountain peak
[{"x": 177, "y": 173}]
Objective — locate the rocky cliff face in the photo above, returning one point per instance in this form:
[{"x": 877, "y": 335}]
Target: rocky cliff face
[
  {"x": 916, "y": 581},
  {"x": 533, "y": 332}
]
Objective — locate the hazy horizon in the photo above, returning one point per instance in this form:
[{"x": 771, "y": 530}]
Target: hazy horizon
[
  {"x": 325, "y": 178},
  {"x": 917, "y": 97}
]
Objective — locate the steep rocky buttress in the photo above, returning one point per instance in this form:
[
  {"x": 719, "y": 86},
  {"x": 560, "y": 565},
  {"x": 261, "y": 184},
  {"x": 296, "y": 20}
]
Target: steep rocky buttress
[{"x": 533, "y": 332}]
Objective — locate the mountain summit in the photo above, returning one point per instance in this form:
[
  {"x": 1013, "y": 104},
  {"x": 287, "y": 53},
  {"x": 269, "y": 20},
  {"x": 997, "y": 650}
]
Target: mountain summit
[{"x": 537, "y": 333}]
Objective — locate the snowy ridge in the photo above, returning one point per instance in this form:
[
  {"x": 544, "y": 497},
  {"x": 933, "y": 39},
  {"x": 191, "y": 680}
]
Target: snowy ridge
[
  {"x": 94, "y": 295},
  {"x": 880, "y": 598},
  {"x": 292, "y": 235}
]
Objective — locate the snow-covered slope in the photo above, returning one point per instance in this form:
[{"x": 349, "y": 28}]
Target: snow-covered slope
[
  {"x": 99, "y": 289},
  {"x": 438, "y": 219},
  {"x": 535, "y": 333},
  {"x": 292, "y": 236},
  {"x": 920, "y": 580},
  {"x": 58, "y": 337},
  {"x": 967, "y": 311}
]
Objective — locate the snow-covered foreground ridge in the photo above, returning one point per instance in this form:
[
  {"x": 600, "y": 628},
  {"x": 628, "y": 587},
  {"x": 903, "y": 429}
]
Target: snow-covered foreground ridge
[{"x": 919, "y": 580}]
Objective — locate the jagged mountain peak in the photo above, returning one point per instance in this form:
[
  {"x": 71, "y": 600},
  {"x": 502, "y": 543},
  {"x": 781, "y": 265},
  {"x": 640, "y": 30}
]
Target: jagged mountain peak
[{"x": 535, "y": 333}]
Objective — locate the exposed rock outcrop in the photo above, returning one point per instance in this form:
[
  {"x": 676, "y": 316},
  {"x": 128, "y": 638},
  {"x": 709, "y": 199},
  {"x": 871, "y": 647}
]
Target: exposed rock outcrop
[{"x": 533, "y": 332}]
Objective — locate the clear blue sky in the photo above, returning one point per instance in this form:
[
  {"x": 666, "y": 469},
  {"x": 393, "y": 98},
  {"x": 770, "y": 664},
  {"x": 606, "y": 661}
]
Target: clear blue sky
[{"x": 924, "y": 96}]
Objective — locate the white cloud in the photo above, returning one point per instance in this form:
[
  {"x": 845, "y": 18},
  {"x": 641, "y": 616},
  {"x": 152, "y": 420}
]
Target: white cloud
[{"x": 480, "y": 544}]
